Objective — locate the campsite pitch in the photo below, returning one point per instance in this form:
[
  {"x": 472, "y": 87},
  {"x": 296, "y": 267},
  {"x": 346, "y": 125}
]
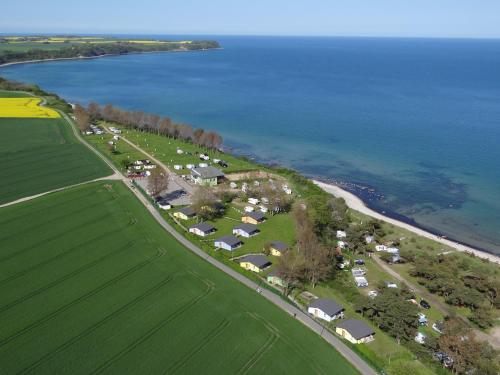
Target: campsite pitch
[{"x": 99, "y": 287}]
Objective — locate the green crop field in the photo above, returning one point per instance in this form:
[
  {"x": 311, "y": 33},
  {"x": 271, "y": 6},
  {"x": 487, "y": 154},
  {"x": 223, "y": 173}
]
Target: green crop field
[
  {"x": 39, "y": 155},
  {"x": 110, "y": 292}
]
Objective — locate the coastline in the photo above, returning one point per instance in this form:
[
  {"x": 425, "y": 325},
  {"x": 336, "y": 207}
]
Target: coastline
[
  {"x": 353, "y": 201},
  {"x": 357, "y": 204},
  {"x": 96, "y": 57}
]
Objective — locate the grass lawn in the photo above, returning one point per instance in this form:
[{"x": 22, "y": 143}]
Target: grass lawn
[
  {"x": 123, "y": 150},
  {"x": 279, "y": 227},
  {"x": 99, "y": 287},
  {"x": 165, "y": 149},
  {"x": 39, "y": 155}
]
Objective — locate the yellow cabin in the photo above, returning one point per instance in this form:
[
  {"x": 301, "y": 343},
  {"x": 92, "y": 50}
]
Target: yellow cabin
[{"x": 355, "y": 331}]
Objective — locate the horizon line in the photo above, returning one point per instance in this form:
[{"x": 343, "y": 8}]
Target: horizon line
[{"x": 247, "y": 35}]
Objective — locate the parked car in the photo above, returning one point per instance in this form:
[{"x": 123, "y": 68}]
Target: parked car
[
  {"x": 425, "y": 304},
  {"x": 359, "y": 262}
]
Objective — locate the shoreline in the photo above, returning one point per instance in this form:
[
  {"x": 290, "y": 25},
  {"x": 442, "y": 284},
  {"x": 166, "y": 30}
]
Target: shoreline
[
  {"x": 96, "y": 57},
  {"x": 352, "y": 201},
  {"x": 355, "y": 203}
]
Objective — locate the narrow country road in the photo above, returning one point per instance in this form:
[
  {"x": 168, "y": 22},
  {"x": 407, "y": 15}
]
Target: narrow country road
[
  {"x": 114, "y": 176},
  {"x": 305, "y": 319}
]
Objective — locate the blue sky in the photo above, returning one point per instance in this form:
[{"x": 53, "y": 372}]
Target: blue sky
[{"x": 426, "y": 18}]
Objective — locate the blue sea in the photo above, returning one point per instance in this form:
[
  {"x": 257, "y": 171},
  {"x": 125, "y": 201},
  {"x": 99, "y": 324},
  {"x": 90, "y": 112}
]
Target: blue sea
[{"x": 412, "y": 126}]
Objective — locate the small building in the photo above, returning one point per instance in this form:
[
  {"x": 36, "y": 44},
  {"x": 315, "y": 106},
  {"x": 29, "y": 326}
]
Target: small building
[
  {"x": 246, "y": 230},
  {"x": 229, "y": 243},
  {"x": 355, "y": 331},
  {"x": 381, "y": 248},
  {"x": 341, "y": 234},
  {"x": 361, "y": 281},
  {"x": 253, "y": 218},
  {"x": 202, "y": 229},
  {"x": 326, "y": 309},
  {"x": 277, "y": 248},
  {"x": 185, "y": 213},
  {"x": 274, "y": 278},
  {"x": 208, "y": 176},
  {"x": 254, "y": 263}
]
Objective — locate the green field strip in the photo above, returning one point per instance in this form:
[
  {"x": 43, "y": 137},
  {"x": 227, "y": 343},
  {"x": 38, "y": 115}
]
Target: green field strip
[
  {"x": 60, "y": 280},
  {"x": 41, "y": 155},
  {"x": 87, "y": 295},
  {"x": 212, "y": 335},
  {"x": 155, "y": 329},
  {"x": 47, "y": 224},
  {"x": 54, "y": 258},
  {"x": 97, "y": 325},
  {"x": 140, "y": 323}
]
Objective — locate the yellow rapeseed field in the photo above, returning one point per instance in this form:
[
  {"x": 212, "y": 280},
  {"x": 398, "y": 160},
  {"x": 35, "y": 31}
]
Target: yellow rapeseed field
[{"x": 26, "y": 108}]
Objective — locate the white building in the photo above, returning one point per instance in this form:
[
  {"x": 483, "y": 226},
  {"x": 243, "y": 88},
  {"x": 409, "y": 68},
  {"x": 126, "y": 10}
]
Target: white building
[
  {"x": 325, "y": 309},
  {"x": 341, "y": 234}
]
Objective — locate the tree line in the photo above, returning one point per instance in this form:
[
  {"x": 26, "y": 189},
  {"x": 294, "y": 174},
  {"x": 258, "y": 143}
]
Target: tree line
[
  {"x": 146, "y": 122},
  {"x": 99, "y": 49}
]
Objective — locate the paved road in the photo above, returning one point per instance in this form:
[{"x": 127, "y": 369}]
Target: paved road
[{"x": 305, "y": 319}]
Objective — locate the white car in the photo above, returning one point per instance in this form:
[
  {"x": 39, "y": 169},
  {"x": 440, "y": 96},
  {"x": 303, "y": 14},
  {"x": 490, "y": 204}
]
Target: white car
[{"x": 249, "y": 209}]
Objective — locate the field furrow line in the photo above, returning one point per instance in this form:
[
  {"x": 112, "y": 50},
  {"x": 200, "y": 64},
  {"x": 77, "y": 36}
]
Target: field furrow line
[
  {"x": 153, "y": 330},
  {"x": 264, "y": 348},
  {"x": 97, "y": 325},
  {"x": 80, "y": 299},
  {"x": 59, "y": 219},
  {"x": 63, "y": 278},
  {"x": 214, "y": 333},
  {"x": 58, "y": 256},
  {"x": 62, "y": 202}
]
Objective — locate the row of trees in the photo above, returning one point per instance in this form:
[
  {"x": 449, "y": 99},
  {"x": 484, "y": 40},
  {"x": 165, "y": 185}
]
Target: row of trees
[
  {"x": 146, "y": 122},
  {"x": 98, "y": 49}
]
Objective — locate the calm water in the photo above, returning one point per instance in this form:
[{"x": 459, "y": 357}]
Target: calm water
[{"x": 416, "y": 121}]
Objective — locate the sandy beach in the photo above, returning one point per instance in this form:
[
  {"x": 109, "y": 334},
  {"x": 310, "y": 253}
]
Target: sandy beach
[{"x": 357, "y": 204}]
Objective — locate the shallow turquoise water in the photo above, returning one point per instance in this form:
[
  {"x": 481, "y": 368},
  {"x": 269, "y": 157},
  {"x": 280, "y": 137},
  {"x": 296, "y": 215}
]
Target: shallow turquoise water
[{"x": 417, "y": 121}]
